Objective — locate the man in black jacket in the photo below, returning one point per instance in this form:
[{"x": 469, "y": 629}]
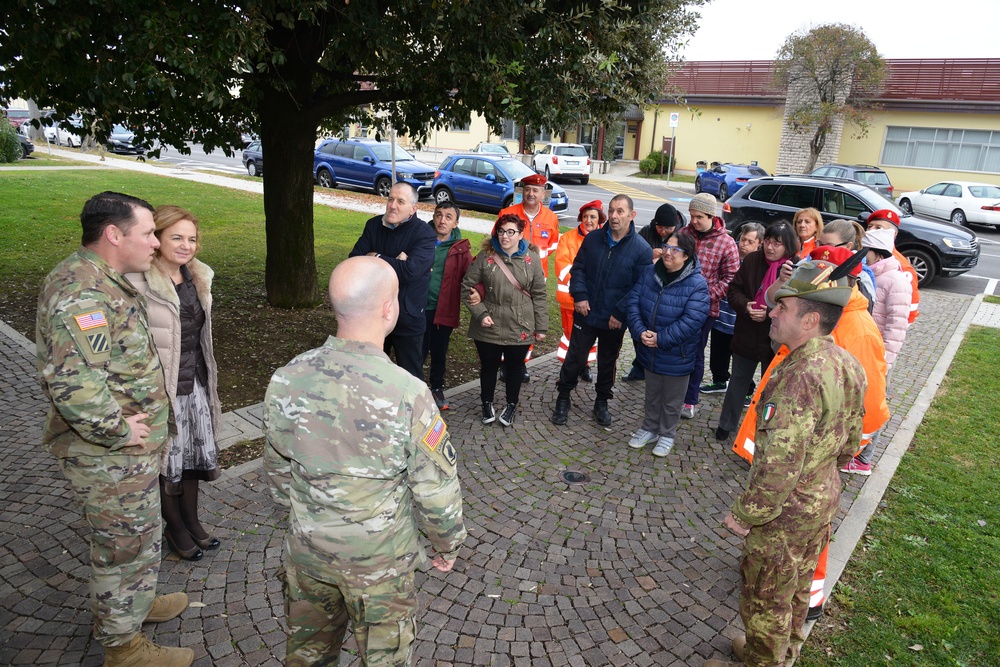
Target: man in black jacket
[
  {"x": 608, "y": 265},
  {"x": 404, "y": 241}
]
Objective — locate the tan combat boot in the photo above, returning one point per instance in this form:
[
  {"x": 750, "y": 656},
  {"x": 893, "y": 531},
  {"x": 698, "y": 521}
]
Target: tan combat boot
[
  {"x": 166, "y": 607},
  {"x": 740, "y": 647},
  {"x": 140, "y": 652}
]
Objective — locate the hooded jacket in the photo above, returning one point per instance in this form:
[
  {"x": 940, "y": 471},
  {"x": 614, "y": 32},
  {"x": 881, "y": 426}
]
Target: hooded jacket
[
  {"x": 676, "y": 312},
  {"x": 516, "y": 317},
  {"x": 893, "y": 296}
]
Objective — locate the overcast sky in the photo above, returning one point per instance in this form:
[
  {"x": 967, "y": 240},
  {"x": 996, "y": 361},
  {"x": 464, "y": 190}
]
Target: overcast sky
[{"x": 755, "y": 29}]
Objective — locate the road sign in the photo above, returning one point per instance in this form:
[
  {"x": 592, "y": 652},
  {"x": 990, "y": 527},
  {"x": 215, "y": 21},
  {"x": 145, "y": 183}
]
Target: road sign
[{"x": 675, "y": 119}]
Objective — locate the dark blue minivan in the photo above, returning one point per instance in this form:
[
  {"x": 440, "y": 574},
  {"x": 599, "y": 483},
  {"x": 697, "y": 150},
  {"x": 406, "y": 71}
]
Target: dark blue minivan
[{"x": 365, "y": 163}]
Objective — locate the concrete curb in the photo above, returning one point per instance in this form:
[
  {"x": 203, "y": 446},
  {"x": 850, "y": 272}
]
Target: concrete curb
[{"x": 852, "y": 528}]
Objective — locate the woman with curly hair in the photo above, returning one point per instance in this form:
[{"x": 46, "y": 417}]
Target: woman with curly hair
[{"x": 511, "y": 314}]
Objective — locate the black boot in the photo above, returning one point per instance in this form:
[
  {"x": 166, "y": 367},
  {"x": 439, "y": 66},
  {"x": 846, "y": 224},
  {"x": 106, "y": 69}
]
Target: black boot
[
  {"x": 601, "y": 413},
  {"x": 585, "y": 375},
  {"x": 561, "y": 413}
]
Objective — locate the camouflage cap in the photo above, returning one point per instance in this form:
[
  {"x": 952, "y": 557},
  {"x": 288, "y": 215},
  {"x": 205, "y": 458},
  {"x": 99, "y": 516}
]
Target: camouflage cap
[{"x": 811, "y": 280}]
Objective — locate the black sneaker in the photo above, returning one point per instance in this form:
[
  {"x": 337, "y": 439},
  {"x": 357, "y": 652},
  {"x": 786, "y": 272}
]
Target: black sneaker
[
  {"x": 586, "y": 375},
  {"x": 748, "y": 400},
  {"x": 489, "y": 414},
  {"x": 814, "y": 613},
  {"x": 721, "y": 434},
  {"x": 714, "y": 388},
  {"x": 439, "y": 398},
  {"x": 507, "y": 416}
]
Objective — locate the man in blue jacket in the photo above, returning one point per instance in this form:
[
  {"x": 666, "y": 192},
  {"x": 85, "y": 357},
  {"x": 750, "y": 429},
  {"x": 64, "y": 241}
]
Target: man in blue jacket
[
  {"x": 609, "y": 263},
  {"x": 406, "y": 243}
]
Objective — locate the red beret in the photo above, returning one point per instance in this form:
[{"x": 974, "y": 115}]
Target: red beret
[
  {"x": 885, "y": 214},
  {"x": 595, "y": 205},
  {"x": 534, "y": 179},
  {"x": 836, "y": 256}
]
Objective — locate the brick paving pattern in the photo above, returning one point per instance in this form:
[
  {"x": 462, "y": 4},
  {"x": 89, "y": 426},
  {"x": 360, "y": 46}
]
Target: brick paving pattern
[{"x": 630, "y": 568}]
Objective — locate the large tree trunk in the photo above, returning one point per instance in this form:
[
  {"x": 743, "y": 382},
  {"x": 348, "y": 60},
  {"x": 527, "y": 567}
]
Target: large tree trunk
[{"x": 288, "y": 142}]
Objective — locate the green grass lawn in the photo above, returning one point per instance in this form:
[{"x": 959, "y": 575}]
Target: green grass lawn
[
  {"x": 39, "y": 226},
  {"x": 923, "y": 588}
]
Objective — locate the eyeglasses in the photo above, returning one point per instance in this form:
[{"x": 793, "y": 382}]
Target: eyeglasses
[
  {"x": 507, "y": 232},
  {"x": 773, "y": 242},
  {"x": 842, "y": 245},
  {"x": 672, "y": 249}
]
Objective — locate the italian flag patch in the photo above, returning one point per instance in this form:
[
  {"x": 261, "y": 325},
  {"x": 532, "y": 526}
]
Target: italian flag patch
[{"x": 769, "y": 411}]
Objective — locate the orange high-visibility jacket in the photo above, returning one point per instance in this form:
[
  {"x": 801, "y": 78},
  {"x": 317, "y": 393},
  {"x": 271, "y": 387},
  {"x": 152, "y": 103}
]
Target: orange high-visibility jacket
[
  {"x": 569, "y": 245},
  {"x": 858, "y": 334},
  {"x": 543, "y": 231},
  {"x": 908, "y": 269}
]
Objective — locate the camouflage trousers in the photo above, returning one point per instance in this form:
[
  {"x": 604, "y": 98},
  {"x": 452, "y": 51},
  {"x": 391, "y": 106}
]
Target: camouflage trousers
[
  {"x": 776, "y": 572},
  {"x": 120, "y": 495},
  {"x": 317, "y": 613}
]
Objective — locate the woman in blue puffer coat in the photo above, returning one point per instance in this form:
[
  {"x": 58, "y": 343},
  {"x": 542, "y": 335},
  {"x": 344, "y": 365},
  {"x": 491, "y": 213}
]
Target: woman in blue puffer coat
[{"x": 666, "y": 311}]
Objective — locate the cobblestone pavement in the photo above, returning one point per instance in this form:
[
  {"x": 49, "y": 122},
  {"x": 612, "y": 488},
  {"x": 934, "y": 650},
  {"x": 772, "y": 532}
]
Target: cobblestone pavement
[{"x": 630, "y": 568}]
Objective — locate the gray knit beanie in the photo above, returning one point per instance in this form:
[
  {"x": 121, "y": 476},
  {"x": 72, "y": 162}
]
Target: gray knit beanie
[{"x": 703, "y": 203}]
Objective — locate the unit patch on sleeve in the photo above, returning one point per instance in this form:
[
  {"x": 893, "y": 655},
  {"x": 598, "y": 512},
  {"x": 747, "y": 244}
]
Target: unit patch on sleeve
[
  {"x": 98, "y": 342},
  {"x": 769, "y": 411}
]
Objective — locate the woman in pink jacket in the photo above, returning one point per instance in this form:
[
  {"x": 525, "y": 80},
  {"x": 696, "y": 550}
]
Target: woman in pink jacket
[{"x": 893, "y": 292}]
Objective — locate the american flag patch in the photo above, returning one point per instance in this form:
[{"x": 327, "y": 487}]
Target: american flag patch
[
  {"x": 435, "y": 434},
  {"x": 91, "y": 320}
]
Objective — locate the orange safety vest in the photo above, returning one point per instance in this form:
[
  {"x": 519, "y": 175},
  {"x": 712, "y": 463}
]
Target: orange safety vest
[
  {"x": 543, "y": 231},
  {"x": 907, "y": 268},
  {"x": 569, "y": 245}
]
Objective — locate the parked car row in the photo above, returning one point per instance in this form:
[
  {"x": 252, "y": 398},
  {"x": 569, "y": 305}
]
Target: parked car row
[{"x": 934, "y": 248}]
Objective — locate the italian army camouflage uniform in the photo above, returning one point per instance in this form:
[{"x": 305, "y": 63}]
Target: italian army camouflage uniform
[
  {"x": 808, "y": 428},
  {"x": 358, "y": 450},
  {"x": 98, "y": 366}
]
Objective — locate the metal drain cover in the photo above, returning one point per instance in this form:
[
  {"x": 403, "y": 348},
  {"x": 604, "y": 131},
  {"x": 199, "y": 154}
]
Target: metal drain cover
[{"x": 574, "y": 477}]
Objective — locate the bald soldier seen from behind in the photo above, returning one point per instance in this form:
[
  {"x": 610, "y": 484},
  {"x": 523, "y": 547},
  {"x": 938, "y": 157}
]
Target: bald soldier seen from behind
[{"x": 357, "y": 449}]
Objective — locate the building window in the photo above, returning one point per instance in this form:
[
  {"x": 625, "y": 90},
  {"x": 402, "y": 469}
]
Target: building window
[
  {"x": 543, "y": 135},
  {"x": 931, "y": 148},
  {"x": 455, "y": 127},
  {"x": 511, "y": 130}
]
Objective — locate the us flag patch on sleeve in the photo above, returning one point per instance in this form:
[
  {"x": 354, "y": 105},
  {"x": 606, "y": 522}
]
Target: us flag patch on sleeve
[
  {"x": 435, "y": 434},
  {"x": 90, "y": 320}
]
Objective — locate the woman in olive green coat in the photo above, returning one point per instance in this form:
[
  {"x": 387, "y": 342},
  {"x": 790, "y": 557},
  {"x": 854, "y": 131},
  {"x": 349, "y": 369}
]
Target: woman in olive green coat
[{"x": 510, "y": 316}]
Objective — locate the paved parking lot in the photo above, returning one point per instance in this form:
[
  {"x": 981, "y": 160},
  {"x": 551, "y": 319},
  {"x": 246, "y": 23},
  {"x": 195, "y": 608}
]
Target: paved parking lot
[{"x": 630, "y": 568}]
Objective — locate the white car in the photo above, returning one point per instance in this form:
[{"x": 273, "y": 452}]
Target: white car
[
  {"x": 563, "y": 160},
  {"x": 63, "y": 137},
  {"x": 958, "y": 201}
]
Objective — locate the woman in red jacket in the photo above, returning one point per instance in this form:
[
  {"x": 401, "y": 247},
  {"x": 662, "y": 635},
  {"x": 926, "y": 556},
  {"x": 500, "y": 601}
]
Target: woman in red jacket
[{"x": 452, "y": 257}]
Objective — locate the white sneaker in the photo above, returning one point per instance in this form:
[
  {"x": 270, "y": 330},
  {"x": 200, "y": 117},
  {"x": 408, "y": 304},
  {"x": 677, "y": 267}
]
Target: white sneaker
[
  {"x": 641, "y": 438},
  {"x": 687, "y": 412},
  {"x": 663, "y": 446}
]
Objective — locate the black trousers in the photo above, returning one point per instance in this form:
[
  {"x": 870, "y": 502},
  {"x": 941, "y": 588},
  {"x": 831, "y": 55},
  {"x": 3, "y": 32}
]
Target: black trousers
[
  {"x": 609, "y": 345},
  {"x": 436, "y": 339},
  {"x": 490, "y": 356},
  {"x": 719, "y": 355},
  {"x": 407, "y": 350}
]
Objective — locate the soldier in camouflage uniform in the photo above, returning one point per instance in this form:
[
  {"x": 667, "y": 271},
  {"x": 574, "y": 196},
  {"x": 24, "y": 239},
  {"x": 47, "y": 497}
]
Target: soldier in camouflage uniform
[
  {"x": 108, "y": 418},
  {"x": 357, "y": 449},
  {"x": 809, "y": 426}
]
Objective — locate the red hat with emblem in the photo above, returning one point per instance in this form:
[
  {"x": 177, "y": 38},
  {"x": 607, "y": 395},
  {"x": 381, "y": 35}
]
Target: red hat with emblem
[
  {"x": 534, "y": 179},
  {"x": 836, "y": 256},
  {"x": 885, "y": 214},
  {"x": 595, "y": 205}
]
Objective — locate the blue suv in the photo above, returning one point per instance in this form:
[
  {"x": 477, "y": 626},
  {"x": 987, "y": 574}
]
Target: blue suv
[
  {"x": 368, "y": 164},
  {"x": 486, "y": 181}
]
